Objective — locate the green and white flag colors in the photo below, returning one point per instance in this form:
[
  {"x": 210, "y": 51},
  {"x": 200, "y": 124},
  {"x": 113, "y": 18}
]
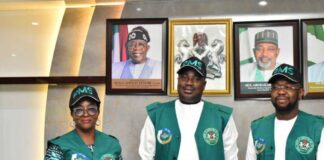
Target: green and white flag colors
[
  {"x": 246, "y": 49},
  {"x": 315, "y": 58},
  {"x": 285, "y": 43},
  {"x": 119, "y": 52},
  {"x": 315, "y": 44}
]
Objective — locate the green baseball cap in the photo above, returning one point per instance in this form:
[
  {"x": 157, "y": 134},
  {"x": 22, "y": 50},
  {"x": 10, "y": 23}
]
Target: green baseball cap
[
  {"x": 195, "y": 64},
  {"x": 83, "y": 91},
  {"x": 286, "y": 71}
]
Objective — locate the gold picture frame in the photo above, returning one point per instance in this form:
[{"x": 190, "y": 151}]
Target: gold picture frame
[
  {"x": 207, "y": 39},
  {"x": 312, "y": 44}
]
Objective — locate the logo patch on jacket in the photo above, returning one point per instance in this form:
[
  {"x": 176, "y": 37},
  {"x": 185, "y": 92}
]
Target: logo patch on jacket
[
  {"x": 211, "y": 136},
  {"x": 260, "y": 145},
  {"x": 79, "y": 156},
  {"x": 107, "y": 157},
  {"x": 164, "y": 136},
  {"x": 304, "y": 145}
]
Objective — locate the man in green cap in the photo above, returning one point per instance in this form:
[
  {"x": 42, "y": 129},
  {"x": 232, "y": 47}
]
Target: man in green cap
[
  {"x": 189, "y": 127},
  {"x": 289, "y": 133},
  {"x": 265, "y": 52}
]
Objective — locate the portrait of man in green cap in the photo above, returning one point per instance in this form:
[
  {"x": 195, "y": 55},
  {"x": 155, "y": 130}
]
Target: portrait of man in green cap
[{"x": 266, "y": 51}]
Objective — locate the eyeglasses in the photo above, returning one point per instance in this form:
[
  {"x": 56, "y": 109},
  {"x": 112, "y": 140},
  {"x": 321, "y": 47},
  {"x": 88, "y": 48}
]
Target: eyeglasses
[
  {"x": 79, "y": 111},
  {"x": 286, "y": 88}
]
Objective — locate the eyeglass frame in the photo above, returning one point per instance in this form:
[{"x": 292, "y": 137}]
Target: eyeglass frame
[
  {"x": 85, "y": 110},
  {"x": 285, "y": 88}
]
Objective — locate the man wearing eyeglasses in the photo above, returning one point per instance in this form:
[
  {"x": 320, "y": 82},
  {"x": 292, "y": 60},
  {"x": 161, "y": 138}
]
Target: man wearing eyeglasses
[
  {"x": 84, "y": 142},
  {"x": 288, "y": 134},
  {"x": 266, "y": 51}
]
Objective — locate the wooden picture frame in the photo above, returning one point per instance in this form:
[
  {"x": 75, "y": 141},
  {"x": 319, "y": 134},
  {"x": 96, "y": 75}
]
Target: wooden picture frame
[
  {"x": 136, "y": 59},
  {"x": 214, "y": 49},
  {"x": 255, "y": 57}
]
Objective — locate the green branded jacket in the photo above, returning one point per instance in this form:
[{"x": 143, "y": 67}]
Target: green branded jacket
[
  {"x": 302, "y": 141},
  {"x": 73, "y": 147},
  {"x": 208, "y": 134}
]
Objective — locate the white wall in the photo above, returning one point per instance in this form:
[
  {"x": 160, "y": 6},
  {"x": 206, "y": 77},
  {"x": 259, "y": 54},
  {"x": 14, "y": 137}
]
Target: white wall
[
  {"x": 22, "y": 121},
  {"x": 25, "y": 50}
]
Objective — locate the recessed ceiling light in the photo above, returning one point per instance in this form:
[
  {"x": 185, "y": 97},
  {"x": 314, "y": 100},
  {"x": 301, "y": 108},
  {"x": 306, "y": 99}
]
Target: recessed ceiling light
[
  {"x": 263, "y": 3},
  {"x": 138, "y": 9},
  {"x": 13, "y": 55},
  {"x": 35, "y": 23}
]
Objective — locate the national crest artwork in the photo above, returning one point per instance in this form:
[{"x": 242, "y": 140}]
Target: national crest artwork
[{"x": 211, "y": 54}]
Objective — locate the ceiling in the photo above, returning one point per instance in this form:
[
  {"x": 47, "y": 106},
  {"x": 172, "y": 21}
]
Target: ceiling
[
  {"x": 219, "y": 6},
  {"x": 182, "y": 8},
  {"x": 23, "y": 42}
]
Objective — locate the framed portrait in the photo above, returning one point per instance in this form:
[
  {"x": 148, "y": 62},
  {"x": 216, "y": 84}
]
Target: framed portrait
[
  {"x": 313, "y": 57},
  {"x": 260, "y": 47},
  {"x": 210, "y": 41},
  {"x": 136, "y": 56}
]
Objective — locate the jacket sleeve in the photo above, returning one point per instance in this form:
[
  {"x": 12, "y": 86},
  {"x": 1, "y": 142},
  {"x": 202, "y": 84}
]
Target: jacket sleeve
[
  {"x": 54, "y": 152},
  {"x": 229, "y": 137},
  {"x": 320, "y": 149},
  {"x": 147, "y": 141},
  {"x": 250, "y": 151}
]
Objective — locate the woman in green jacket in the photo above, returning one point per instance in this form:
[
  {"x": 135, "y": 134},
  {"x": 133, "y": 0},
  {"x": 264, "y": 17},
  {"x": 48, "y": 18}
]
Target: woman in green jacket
[{"x": 84, "y": 142}]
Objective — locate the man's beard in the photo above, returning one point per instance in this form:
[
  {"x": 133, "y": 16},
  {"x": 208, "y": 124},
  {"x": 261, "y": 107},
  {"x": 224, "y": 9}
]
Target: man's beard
[
  {"x": 264, "y": 65},
  {"x": 283, "y": 110}
]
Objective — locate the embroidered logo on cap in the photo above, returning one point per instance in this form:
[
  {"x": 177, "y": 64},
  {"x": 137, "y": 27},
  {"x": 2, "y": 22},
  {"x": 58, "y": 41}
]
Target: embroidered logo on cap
[
  {"x": 286, "y": 70},
  {"x": 82, "y": 90},
  {"x": 304, "y": 145},
  {"x": 260, "y": 145},
  {"x": 194, "y": 63},
  {"x": 164, "y": 136},
  {"x": 211, "y": 136}
]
